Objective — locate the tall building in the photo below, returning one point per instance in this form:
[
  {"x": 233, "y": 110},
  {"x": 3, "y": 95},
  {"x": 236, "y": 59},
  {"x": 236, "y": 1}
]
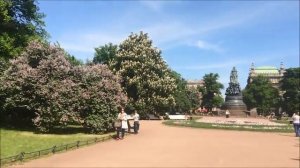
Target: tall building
[{"x": 272, "y": 73}]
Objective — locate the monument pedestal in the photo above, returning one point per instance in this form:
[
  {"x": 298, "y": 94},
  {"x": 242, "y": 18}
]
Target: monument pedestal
[
  {"x": 237, "y": 113},
  {"x": 235, "y": 105}
]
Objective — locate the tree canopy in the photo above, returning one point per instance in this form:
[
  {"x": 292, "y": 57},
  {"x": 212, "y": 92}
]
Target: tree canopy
[
  {"x": 290, "y": 85},
  {"x": 105, "y": 54},
  {"x": 262, "y": 95},
  {"x": 72, "y": 59},
  {"x": 145, "y": 75},
  {"x": 20, "y": 22},
  {"x": 181, "y": 94},
  {"x": 211, "y": 91},
  {"x": 194, "y": 96}
]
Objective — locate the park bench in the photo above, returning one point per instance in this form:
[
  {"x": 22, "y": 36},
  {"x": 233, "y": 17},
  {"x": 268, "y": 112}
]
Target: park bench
[
  {"x": 152, "y": 117},
  {"x": 179, "y": 117}
]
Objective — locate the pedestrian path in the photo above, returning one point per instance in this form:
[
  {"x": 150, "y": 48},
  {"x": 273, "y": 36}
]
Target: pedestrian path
[{"x": 158, "y": 145}]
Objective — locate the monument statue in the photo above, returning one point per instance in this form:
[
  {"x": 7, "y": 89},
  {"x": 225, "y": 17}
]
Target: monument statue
[
  {"x": 234, "y": 86},
  {"x": 234, "y": 99}
]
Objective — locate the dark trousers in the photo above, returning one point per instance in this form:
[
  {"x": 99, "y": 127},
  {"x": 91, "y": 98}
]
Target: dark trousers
[
  {"x": 120, "y": 131},
  {"x": 297, "y": 129},
  {"x": 136, "y": 126}
]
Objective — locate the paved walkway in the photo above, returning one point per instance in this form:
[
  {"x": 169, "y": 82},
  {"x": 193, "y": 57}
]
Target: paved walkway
[{"x": 158, "y": 145}]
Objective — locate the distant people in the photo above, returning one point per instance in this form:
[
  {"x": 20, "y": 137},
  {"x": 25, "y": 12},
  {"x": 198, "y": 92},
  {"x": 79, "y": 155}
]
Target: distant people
[
  {"x": 123, "y": 117},
  {"x": 227, "y": 113},
  {"x": 284, "y": 114},
  {"x": 296, "y": 123},
  {"x": 136, "y": 124},
  {"x": 272, "y": 115},
  {"x": 118, "y": 125}
]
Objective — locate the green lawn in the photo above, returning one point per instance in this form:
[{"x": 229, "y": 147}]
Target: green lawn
[
  {"x": 260, "y": 128},
  {"x": 282, "y": 121},
  {"x": 14, "y": 141}
]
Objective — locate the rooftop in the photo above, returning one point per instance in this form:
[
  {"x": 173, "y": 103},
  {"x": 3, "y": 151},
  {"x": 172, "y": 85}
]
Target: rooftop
[{"x": 266, "y": 70}]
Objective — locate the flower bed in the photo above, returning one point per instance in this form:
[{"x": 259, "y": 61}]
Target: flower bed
[{"x": 239, "y": 121}]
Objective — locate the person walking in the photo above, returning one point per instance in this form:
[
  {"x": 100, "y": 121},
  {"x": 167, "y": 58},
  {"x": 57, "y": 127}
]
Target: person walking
[
  {"x": 296, "y": 123},
  {"x": 123, "y": 117},
  {"x": 136, "y": 124},
  {"x": 227, "y": 113}
]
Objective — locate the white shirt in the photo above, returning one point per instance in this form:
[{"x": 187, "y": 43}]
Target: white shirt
[
  {"x": 123, "y": 118},
  {"x": 296, "y": 119},
  {"x": 136, "y": 117},
  {"x": 227, "y": 112}
]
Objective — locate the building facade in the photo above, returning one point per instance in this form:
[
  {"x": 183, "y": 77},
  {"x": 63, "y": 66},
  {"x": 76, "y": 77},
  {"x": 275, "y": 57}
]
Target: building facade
[
  {"x": 192, "y": 84},
  {"x": 272, "y": 73}
]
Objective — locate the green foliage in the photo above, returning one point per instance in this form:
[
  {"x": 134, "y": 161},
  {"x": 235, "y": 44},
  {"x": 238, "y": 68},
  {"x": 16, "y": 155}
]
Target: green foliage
[
  {"x": 181, "y": 95},
  {"x": 195, "y": 98},
  {"x": 291, "y": 85},
  {"x": 145, "y": 76},
  {"x": 260, "y": 93},
  {"x": 20, "y": 22},
  {"x": 41, "y": 87},
  {"x": 211, "y": 91},
  {"x": 105, "y": 54},
  {"x": 72, "y": 60}
]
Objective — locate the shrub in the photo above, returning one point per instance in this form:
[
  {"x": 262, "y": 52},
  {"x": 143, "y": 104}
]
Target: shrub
[
  {"x": 100, "y": 95},
  {"x": 43, "y": 89}
]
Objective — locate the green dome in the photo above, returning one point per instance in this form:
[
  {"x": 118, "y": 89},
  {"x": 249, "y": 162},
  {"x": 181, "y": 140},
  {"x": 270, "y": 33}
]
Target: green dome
[{"x": 266, "y": 70}]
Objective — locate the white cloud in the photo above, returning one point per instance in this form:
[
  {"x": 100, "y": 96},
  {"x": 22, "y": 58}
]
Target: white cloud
[
  {"x": 86, "y": 43},
  {"x": 168, "y": 31},
  {"x": 154, "y": 5},
  {"x": 208, "y": 46},
  {"x": 165, "y": 33},
  {"x": 240, "y": 16},
  {"x": 173, "y": 32}
]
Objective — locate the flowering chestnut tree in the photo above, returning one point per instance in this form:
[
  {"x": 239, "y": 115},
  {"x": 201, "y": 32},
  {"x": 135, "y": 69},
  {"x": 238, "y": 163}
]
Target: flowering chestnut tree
[{"x": 145, "y": 75}]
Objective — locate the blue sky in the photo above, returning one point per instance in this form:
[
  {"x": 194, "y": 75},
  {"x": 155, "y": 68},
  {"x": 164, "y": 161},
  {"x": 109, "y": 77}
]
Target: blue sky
[{"x": 196, "y": 37}]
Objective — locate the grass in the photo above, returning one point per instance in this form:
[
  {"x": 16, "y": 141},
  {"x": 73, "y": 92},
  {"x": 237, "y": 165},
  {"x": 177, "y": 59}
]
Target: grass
[
  {"x": 196, "y": 117},
  {"x": 259, "y": 128},
  {"x": 14, "y": 142},
  {"x": 282, "y": 121}
]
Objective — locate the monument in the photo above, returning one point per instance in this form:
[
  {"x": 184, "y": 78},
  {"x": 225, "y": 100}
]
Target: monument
[{"x": 234, "y": 98}]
